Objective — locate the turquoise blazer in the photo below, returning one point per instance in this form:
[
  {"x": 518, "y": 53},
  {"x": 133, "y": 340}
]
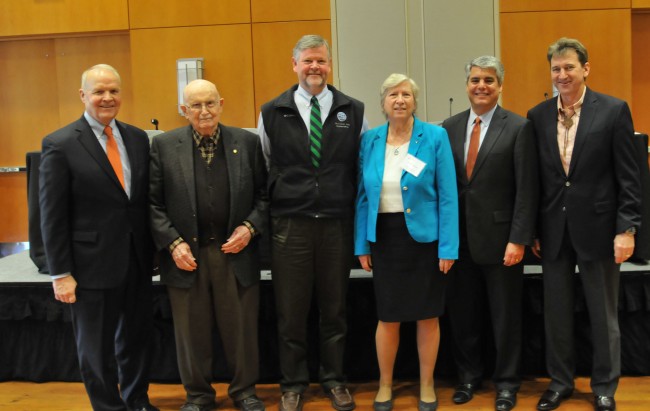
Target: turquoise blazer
[{"x": 430, "y": 200}]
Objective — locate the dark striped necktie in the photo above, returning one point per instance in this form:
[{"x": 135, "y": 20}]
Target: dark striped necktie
[{"x": 315, "y": 132}]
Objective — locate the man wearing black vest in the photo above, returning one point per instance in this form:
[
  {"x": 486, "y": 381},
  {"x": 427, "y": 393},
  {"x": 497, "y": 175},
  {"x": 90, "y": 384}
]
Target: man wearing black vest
[
  {"x": 310, "y": 138},
  {"x": 208, "y": 205}
]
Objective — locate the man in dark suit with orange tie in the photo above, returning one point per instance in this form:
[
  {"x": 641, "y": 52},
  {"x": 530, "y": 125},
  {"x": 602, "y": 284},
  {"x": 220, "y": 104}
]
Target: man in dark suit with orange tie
[
  {"x": 589, "y": 213},
  {"x": 498, "y": 190},
  {"x": 94, "y": 177}
]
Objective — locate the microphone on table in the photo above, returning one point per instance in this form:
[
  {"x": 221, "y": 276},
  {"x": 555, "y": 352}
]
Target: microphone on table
[
  {"x": 154, "y": 121},
  {"x": 451, "y": 101}
]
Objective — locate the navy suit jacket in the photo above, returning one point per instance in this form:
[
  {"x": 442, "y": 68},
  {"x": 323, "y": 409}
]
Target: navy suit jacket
[
  {"x": 89, "y": 224},
  {"x": 430, "y": 199},
  {"x": 498, "y": 204},
  {"x": 601, "y": 195}
]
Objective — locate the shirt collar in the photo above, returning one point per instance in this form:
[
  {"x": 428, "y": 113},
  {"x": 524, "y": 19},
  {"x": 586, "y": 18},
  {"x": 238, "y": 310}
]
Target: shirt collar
[
  {"x": 485, "y": 118},
  {"x": 305, "y": 96},
  {"x": 214, "y": 138},
  {"x": 575, "y": 107},
  {"x": 97, "y": 127}
]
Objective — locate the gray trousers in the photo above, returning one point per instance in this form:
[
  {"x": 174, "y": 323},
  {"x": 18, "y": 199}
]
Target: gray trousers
[{"x": 216, "y": 294}]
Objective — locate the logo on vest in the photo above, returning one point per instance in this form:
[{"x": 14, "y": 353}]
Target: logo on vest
[{"x": 341, "y": 123}]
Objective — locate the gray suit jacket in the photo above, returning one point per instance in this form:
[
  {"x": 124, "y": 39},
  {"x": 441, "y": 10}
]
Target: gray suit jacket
[
  {"x": 173, "y": 198},
  {"x": 499, "y": 203}
]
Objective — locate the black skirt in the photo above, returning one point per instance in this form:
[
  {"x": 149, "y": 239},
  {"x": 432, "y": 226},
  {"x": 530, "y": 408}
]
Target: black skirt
[{"x": 409, "y": 285}]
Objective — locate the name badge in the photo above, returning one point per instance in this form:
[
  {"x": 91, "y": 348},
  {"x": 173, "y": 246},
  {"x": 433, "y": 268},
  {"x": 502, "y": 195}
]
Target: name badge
[{"x": 413, "y": 165}]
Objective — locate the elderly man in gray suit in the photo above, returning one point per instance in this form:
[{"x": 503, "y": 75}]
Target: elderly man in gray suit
[{"x": 208, "y": 207}]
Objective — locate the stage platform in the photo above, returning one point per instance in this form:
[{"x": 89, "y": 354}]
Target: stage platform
[{"x": 36, "y": 342}]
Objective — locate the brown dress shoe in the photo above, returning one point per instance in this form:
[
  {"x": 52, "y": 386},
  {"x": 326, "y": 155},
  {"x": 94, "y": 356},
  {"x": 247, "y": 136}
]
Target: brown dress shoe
[
  {"x": 341, "y": 398},
  {"x": 290, "y": 401}
]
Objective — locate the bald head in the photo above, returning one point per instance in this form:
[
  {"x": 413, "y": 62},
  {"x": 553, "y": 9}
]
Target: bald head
[
  {"x": 199, "y": 86},
  {"x": 202, "y": 106}
]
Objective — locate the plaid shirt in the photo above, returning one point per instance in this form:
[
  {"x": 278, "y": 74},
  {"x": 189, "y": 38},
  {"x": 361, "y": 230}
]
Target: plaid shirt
[{"x": 207, "y": 145}]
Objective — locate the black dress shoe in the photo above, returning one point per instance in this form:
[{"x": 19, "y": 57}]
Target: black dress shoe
[
  {"x": 551, "y": 400},
  {"x": 383, "y": 405},
  {"x": 251, "y": 403},
  {"x": 602, "y": 403},
  {"x": 464, "y": 393},
  {"x": 190, "y": 406},
  {"x": 427, "y": 406},
  {"x": 144, "y": 407},
  {"x": 506, "y": 400}
]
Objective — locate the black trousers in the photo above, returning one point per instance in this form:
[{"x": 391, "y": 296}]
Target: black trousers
[
  {"x": 473, "y": 286},
  {"x": 600, "y": 282},
  {"x": 311, "y": 256},
  {"x": 112, "y": 329}
]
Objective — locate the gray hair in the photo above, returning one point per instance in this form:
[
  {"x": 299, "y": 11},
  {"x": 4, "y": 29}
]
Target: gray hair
[
  {"x": 310, "y": 41},
  {"x": 395, "y": 80},
  {"x": 561, "y": 46},
  {"x": 486, "y": 62},
  {"x": 98, "y": 67}
]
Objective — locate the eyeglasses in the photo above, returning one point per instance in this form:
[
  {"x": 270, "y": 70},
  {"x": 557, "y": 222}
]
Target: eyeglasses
[{"x": 210, "y": 105}]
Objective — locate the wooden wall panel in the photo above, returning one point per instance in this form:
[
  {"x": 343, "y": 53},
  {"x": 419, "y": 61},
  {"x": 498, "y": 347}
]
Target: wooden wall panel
[
  {"x": 76, "y": 54},
  {"x": 28, "y": 17},
  {"x": 176, "y": 13},
  {"x": 640, "y": 78},
  {"x": 641, "y": 4},
  {"x": 227, "y": 62},
  {"x": 42, "y": 79},
  {"x": 509, "y": 6},
  {"x": 29, "y": 97},
  {"x": 13, "y": 200},
  {"x": 289, "y": 10},
  {"x": 272, "y": 47},
  {"x": 525, "y": 38}
]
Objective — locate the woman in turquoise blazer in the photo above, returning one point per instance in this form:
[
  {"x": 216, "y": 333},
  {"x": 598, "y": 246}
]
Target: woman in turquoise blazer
[{"x": 406, "y": 230}]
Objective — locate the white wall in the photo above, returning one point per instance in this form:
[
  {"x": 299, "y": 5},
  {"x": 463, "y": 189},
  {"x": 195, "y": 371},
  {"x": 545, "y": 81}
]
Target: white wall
[{"x": 428, "y": 40}]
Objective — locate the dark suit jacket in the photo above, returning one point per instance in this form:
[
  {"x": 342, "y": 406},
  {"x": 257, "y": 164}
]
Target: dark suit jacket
[
  {"x": 88, "y": 222},
  {"x": 601, "y": 196},
  {"x": 173, "y": 198},
  {"x": 499, "y": 203}
]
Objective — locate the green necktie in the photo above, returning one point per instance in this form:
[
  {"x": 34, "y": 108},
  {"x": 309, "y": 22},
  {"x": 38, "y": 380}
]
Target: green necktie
[{"x": 315, "y": 132}]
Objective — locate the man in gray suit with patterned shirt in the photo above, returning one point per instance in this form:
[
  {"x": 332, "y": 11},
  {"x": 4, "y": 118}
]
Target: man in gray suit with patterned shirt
[{"x": 208, "y": 207}]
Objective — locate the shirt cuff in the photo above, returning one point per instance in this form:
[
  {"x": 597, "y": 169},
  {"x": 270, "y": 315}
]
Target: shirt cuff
[
  {"x": 250, "y": 227},
  {"x": 175, "y": 243}
]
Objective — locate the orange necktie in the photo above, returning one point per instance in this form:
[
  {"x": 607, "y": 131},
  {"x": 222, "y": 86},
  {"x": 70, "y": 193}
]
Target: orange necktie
[
  {"x": 473, "y": 147},
  {"x": 114, "y": 154}
]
